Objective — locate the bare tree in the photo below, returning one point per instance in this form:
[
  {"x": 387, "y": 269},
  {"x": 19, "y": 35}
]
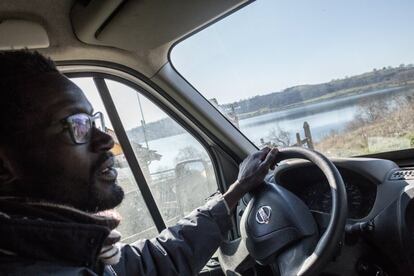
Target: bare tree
[
  {"x": 189, "y": 152},
  {"x": 279, "y": 137},
  {"x": 369, "y": 110}
]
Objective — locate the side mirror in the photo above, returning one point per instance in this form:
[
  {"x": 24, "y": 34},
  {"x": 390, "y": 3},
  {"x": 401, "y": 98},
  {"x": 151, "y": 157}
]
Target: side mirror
[
  {"x": 195, "y": 178},
  {"x": 193, "y": 166}
]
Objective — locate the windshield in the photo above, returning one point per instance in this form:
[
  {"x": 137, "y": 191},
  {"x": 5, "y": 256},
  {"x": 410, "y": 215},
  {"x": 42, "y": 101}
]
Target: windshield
[{"x": 336, "y": 76}]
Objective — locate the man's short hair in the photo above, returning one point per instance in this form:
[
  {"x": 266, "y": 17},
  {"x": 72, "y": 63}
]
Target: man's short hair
[{"x": 16, "y": 68}]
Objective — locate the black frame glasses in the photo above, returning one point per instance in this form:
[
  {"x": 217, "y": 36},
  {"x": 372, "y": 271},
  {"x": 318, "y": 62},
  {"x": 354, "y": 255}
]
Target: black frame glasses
[{"x": 80, "y": 126}]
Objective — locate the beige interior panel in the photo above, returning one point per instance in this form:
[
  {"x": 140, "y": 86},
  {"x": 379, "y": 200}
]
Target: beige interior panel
[
  {"x": 135, "y": 33},
  {"x": 148, "y": 28},
  {"x": 151, "y": 24},
  {"x": 19, "y": 34},
  {"x": 88, "y": 18},
  {"x": 142, "y": 25}
]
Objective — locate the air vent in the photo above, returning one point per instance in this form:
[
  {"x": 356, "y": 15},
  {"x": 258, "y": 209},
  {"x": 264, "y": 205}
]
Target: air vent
[{"x": 405, "y": 174}]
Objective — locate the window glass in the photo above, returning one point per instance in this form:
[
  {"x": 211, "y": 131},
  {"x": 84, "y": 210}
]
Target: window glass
[
  {"x": 336, "y": 76},
  {"x": 136, "y": 220},
  {"x": 176, "y": 166}
]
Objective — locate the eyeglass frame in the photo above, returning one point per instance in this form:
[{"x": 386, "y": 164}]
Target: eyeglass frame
[{"x": 92, "y": 118}]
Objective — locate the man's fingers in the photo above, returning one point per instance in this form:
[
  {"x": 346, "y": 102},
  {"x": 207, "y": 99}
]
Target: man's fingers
[
  {"x": 270, "y": 160},
  {"x": 273, "y": 165},
  {"x": 263, "y": 153}
]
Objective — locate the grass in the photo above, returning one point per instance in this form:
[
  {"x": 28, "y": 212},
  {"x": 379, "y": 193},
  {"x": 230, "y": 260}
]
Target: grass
[{"x": 393, "y": 130}]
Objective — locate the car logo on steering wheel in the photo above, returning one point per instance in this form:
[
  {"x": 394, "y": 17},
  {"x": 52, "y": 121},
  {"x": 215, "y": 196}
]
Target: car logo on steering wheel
[{"x": 263, "y": 215}]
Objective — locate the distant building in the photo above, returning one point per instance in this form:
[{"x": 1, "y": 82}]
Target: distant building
[
  {"x": 228, "y": 113},
  {"x": 144, "y": 155}
]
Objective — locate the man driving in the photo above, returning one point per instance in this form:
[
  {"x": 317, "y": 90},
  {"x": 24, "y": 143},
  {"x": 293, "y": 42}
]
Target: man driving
[{"x": 57, "y": 176}]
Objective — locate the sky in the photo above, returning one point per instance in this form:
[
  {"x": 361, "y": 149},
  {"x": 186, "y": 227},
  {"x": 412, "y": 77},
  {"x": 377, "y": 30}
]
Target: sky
[
  {"x": 126, "y": 101},
  {"x": 271, "y": 45}
]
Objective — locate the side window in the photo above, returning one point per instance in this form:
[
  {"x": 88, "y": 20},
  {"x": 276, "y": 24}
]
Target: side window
[
  {"x": 176, "y": 166},
  {"x": 136, "y": 219}
]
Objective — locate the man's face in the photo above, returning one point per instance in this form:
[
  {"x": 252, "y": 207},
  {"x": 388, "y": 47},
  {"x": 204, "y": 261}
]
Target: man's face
[{"x": 49, "y": 165}]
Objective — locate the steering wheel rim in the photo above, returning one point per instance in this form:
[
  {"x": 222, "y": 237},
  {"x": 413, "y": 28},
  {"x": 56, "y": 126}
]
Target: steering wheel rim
[{"x": 329, "y": 241}]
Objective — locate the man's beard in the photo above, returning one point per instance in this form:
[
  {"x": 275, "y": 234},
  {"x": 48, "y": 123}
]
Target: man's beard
[
  {"x": 99, "y": 202},
  {"x": 99, "y": 197},
  {"x": 59, "y": 188},
  {"x": 94, "y": 201}
]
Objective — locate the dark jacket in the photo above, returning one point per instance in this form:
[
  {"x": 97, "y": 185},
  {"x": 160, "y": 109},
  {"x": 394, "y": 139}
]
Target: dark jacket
[{"x": 45, "y": 239}]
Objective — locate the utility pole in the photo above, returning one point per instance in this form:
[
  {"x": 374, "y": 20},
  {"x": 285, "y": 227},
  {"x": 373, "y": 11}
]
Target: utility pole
[
  {"x": 143, "y": 124},
  {"x": 308, "y": 135}
]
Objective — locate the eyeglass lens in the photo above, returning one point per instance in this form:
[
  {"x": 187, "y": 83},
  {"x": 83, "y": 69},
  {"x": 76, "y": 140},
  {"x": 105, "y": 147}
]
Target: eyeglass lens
[{"x": 81, "y": 125}]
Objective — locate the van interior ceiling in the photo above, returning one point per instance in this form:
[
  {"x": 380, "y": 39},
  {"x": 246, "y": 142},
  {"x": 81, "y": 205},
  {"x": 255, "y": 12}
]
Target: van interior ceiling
[{"x": 137, "y": 34}]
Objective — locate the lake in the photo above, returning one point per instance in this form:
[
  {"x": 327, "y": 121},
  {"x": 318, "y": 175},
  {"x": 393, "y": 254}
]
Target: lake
[{"x": 323, "y": 118}]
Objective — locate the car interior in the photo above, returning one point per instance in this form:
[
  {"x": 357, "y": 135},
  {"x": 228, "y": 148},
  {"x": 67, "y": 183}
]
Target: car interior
[{"x": 318, "y": 214}]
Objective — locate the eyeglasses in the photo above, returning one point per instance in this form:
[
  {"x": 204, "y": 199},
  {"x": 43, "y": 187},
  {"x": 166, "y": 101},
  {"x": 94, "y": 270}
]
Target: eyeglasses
[{"x": 80, "y": 126}]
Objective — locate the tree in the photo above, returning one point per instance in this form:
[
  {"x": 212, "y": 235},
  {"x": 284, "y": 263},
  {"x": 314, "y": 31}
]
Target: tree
[
  {"x": 189, "y": 152},
  {"x": 279, "y": 137},
  {"x": 370, "y": 110}
]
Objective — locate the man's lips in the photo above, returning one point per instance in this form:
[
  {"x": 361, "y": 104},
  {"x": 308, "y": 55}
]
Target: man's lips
[{"x": 106, "y": 170}]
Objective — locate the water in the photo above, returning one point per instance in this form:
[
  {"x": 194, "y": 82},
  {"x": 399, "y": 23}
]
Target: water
[
  {"x": 323, "y": 118},
  {"x": 321, "y": 124},
  {"x": 170, "y": 148}
]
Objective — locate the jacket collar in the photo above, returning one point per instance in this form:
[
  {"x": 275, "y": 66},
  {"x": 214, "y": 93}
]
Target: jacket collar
[{"x": 48, "y": 232}]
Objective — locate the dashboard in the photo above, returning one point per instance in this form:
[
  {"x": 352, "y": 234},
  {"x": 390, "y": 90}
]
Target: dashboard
[
  {"x": 378, "y": 237},
  {"x": 379, "y": 194},
  {"x": 371, "y": 184},
  {"x": 310, "y": 185}
]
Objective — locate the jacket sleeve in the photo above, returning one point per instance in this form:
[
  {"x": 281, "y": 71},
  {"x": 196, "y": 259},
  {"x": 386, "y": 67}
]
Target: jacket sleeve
[{"x": 182, "y": 249}]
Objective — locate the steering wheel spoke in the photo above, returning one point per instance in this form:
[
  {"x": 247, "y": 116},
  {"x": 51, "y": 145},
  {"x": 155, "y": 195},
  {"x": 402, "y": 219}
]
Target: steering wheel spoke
[{"x": 276, "y": 219}]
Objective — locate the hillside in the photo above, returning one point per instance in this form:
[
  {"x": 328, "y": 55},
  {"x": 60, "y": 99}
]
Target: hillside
[
  {"x": 375, "y": 129},
  {"x": 155, "y": 130},
  {"x": 297, "y": 95}
]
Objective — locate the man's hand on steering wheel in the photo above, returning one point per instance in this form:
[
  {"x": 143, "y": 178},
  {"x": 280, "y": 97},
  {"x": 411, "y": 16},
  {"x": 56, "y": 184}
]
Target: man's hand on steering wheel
[{"x": 252, "y": 172}]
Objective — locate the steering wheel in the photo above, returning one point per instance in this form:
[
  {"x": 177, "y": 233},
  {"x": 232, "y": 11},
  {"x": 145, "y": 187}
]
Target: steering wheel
[{"x": 277, "y": 228}]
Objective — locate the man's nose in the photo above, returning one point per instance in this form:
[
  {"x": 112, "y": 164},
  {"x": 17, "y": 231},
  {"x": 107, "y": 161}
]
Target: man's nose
[{"x": 101, "y": 141}]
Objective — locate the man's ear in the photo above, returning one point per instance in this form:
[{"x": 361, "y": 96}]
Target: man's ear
[{"x": 7, "y": 174}]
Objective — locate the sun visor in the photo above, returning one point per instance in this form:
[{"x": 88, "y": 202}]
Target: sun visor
[
  {"x": 88, "y": 17},
  {"x": 18, "y": 34},
  {"x": 142, "y": 26}
]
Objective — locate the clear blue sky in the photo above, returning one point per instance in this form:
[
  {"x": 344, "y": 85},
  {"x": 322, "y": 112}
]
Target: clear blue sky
[{"x": 271, "y": 45}]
